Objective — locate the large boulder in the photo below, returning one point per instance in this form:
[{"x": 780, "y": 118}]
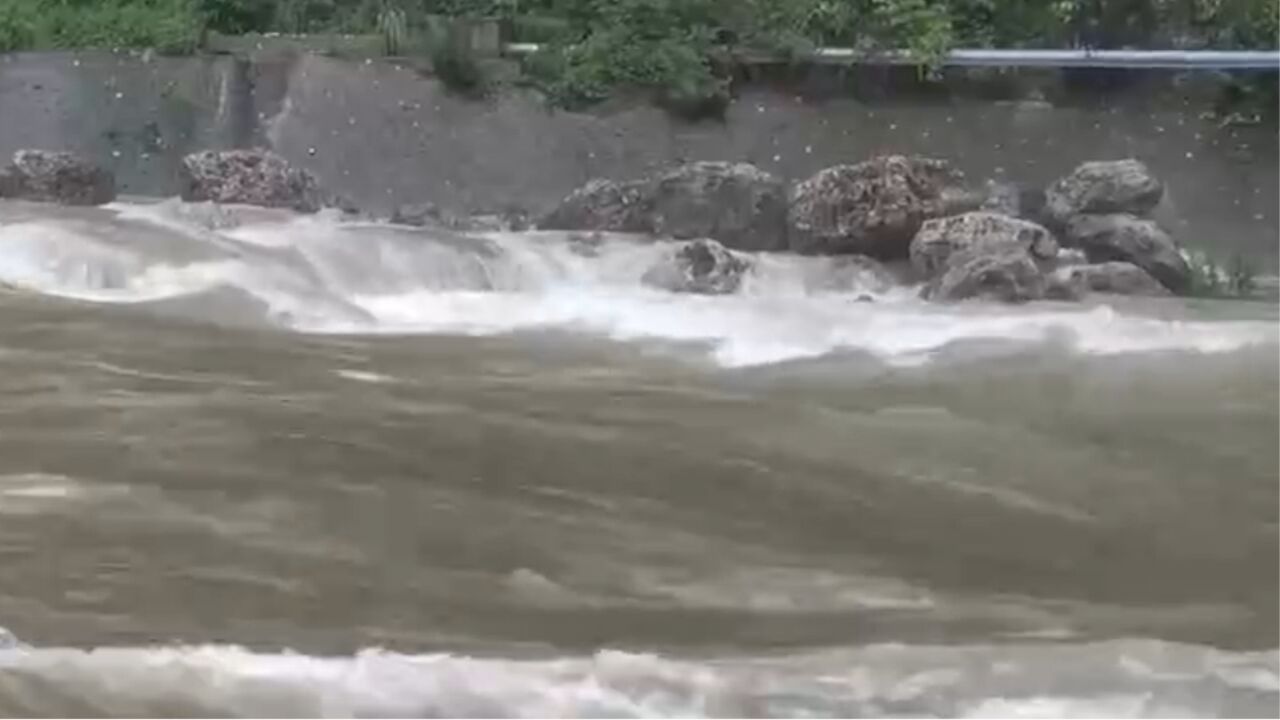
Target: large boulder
[
  {"x": 603, "y": 205},
  {"x": 975, "y": 233},
  {"x": 1125, "y": 238},
  {"x": 1102, "y": 187},
  {"x": 1118, "y": 278},
  {"x": 875, "y": 207},
  {"x": 735, "y": 203},
  {"x": 738, "y": 204},
  {"x": 1003, "y": 273},
  {"x": 251, "y": 177},
  {"x": 59, "y": 177},
  {"x": 701, "y": 266}
]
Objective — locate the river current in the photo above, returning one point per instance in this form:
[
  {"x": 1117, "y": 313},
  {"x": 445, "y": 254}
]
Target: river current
[{"x": 254, "y": 463}]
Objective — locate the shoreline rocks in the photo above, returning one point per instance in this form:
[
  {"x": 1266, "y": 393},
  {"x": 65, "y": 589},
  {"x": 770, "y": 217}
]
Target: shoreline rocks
[
  {"x": 60, "y": 177},
  {"x": 1103, "y": 187},
  {"x": 736, "y": 204},
  {"x": 1116, "y": 278},
  {"x": 251, "y": 177},
  {"x": 875, "y": 207},
  {"x": 985, "y": 255},
  {"x": 1125, "y": 238}
]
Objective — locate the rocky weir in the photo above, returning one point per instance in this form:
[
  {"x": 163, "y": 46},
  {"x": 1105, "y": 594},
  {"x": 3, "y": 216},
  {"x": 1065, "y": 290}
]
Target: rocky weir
[{"x": 1087, "y": 232}]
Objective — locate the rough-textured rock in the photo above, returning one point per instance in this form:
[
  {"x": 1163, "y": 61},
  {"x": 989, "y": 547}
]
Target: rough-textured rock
[
  {"x": 418, "y": 215},
  {"x": 252, "y": 177},
  {"x": 738, "y": 204},
  {"x": 1120, "y": 278},
  {"x": 59, "y": 177},
  {"x": 1125, "y": 238},
  {"x": 701, "y": 266},
  {"x": 1061, "y": 285},
  {"x": 975, "y": 233},
  {"x": 603, "y": 205},
  {"x": 875, "y": 207},
  {"x": 734, "y": 203},
  {"x": 1099, "y": 187},
  {"x": 1007, "y": 274}
]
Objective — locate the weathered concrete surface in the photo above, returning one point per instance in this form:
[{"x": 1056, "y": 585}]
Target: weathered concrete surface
[{"x": 384, "y": 136}]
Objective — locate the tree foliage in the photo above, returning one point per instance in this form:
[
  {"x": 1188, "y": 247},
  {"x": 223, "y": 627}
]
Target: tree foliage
[{"x": 672, "y": 47}]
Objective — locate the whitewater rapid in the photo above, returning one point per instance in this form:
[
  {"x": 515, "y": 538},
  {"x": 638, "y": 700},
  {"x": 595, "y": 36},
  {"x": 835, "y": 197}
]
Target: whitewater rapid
[
  {"x": 321, "y": 274},
  {"x": 1112, "y": 679}
]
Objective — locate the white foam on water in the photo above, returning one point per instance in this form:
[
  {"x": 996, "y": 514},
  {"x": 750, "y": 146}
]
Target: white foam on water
[
  {"x": 1040, "y": 681},
  {"x": 318, "y": 274}
]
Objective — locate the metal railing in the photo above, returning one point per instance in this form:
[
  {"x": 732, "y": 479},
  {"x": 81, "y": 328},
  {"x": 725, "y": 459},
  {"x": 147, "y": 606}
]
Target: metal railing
[{"x": 1137, "y": 59}]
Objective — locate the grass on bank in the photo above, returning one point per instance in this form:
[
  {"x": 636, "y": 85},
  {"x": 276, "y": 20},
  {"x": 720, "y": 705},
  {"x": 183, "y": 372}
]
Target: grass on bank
[
  {"x": 169, "y": 26},
  {"x": 1237, "y": 278}
]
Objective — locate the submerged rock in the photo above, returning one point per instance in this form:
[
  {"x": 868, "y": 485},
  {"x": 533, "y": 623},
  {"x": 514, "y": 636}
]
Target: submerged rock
[
  {"x": 976, "y": 233},
  {"x": 875, "y": 207},
  {"x": 702, "y": 266},
  {"x": 418, "y": 215},
  {"x": 1099, "y": 187},
  {"x": 252, "y": 177},
  {"x": 736, "y": 204},
  {"x": 1119, "y": 278},
  {"x": 1125, "y": 238},
  {"x": 59, "y": 177}
]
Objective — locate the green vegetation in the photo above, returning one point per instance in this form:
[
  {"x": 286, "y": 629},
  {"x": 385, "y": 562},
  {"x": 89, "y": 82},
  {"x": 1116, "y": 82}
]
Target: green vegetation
[
  {"x": 171, "y": 26},
  {"x": 676, "y": 49},
  {"x": 1209, "y": 278}
]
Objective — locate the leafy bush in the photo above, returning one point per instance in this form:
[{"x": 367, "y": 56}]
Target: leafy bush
[
  {"x": 171, "y": 26},
  {"x": 17, "y": 28},
  {"x": 658, "y": 46},
  {"x": 1209, "y": 278},
  {"x": 452, "y": 58}
]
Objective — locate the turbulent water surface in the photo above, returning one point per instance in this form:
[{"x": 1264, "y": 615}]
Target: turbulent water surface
[{"x": 253, "y": 464}]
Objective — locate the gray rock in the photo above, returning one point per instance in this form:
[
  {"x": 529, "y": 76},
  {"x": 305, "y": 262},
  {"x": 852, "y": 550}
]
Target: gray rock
[
  {"x": 701, "y": 266},
  {"x": 875, "y": 207},
  {"x": 59, "y": 177},
  {"x": 1120, "y": 278},
  {"x": 1125, "y": 238},
  {"x": 1061, "y": 285},
  {"x": 738, "y": 204},
  {"x": 1007, "y": 274},
  {"x": 418, "y": 215},
  {"x": 1115, "y": 186},
  {"x": 735, "y": 203},
  {"x": 976, "y": 233},
  {"x": 252, "y": 177},
  {"x": 603, "y": 205}
]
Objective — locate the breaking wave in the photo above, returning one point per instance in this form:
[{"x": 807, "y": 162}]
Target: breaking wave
[{"x": 1124, "y": 678}]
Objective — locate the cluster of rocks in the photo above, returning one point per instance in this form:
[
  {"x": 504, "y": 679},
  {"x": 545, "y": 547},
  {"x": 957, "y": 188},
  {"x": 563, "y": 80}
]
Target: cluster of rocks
[{"x": 1089, "y": 231}]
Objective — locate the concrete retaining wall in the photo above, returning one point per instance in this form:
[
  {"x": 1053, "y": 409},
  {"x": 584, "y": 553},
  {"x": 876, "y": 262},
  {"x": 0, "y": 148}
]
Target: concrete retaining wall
[{"x": 383, "y": 134}]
